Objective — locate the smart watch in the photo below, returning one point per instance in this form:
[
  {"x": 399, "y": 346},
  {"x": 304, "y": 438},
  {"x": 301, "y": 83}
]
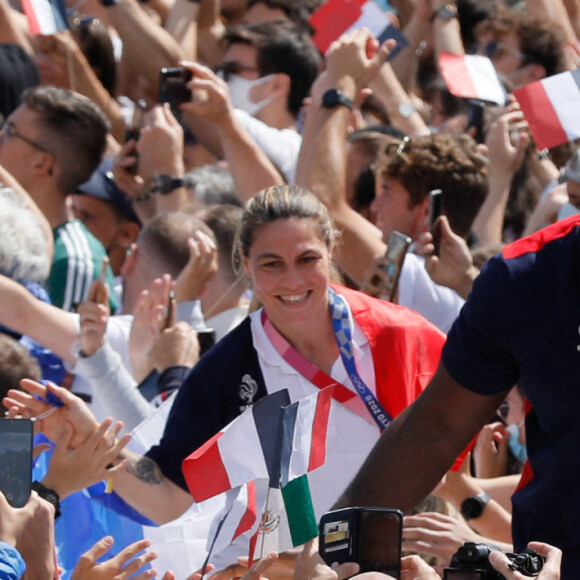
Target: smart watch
[
  {"x": 164, "y": 184},
  {"x": 333, "y": 98},
  {"x": 446, "y": 13},
  {"x": 472, "y": 507}
]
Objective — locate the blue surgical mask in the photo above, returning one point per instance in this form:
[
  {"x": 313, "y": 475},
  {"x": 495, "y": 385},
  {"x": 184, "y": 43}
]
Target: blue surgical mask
[{"x": 517, "y": 448}]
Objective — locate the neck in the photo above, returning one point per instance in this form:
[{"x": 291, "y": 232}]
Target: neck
[
  {"x": 276, "y": 118},
  {"x": 52, "y": 204}
]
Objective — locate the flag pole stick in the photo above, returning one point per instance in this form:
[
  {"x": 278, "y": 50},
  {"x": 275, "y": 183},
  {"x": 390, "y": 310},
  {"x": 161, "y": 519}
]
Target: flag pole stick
[{"x": 263, "y": 534}]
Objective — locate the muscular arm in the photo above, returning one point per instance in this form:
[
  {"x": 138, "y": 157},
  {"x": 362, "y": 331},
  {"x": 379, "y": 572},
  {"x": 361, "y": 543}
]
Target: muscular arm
[
  {"x": 420, "y": 445},
  {"x": 142, "y": 485}
]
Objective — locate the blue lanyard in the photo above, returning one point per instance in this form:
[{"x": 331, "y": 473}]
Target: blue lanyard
[{"x": 343, "y": 334}]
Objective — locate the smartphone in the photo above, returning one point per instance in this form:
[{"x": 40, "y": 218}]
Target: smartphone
[
  {"x": 398, "y": 245},
  {"x": 102, "y": 278},
  {"x": 369, "y": 536},
  {"x": 436, "y": 197},
  {"x": 206, "y": 337},
  {"x": 134, "y": 131},
  {"x": 169, "y": 311},
  {"x": 475, "y": 111},
  {"x": 137, "y": 122},
  {"x": 173, "y": 86},
  {"x": 16, "y": 460}
]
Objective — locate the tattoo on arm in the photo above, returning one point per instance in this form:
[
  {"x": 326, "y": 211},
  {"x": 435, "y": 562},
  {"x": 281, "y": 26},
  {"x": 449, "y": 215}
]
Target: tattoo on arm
[{"x": 146, "y": 470}]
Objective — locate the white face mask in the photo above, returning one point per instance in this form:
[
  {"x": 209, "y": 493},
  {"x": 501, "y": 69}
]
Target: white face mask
[{"x": 240, "y": 89}]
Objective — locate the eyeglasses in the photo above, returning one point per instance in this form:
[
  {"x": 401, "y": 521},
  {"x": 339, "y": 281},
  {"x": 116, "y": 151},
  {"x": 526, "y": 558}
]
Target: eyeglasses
[
  {"x": 504, "y": 409},
  {"x": 9, "y": 130},
  {"x": 496, "y": 49},
  {"x": 227, "y": 69}
]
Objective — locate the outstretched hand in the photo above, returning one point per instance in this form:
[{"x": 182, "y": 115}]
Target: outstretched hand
[{"x": 31, "y": 402}]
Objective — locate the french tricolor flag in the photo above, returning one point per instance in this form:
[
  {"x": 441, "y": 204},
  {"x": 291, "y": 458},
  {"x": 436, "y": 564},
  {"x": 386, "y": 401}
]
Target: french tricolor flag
[
  {"x": 303, "y": 435},
  {"x": 551, "y": 108},
  {"x": 45, "y": 16},
  {"x": 337, "y": 17},
  {"x": 471, "y": 77},
  {"x": 243, "y": 451}
]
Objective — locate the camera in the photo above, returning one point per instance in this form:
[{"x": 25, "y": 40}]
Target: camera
[
  {"x": 173, "y": 86},
  {"x": 369, "y": 536},
  {"x": 471, "y": 562}
]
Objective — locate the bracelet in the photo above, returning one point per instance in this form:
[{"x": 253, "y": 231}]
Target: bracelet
[
  {"x": 109, "y": 3},
  {"x": 543, "y": 154},
  {"x": 49, "y": 495}
]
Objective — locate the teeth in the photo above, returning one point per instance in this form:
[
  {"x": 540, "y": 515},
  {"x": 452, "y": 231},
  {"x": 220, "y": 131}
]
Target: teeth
[{"x": 293, "y": 298}]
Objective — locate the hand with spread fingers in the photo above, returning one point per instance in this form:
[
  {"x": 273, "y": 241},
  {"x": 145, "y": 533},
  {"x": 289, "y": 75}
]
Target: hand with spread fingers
[
  {"x": 71, "y": 470},
  {"x": 53, "y": 407}
]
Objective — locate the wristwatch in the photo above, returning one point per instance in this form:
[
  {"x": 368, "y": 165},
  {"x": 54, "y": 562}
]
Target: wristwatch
[
  {"x": 164, "y": 184},
  {"x": 446, "y": 12},
  {"x": 333, "y": 98},
  {"x": 49, "y": 495},
  {"x": 472, "y": 507}
]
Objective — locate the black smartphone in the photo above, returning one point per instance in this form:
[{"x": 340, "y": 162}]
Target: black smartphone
[
  {"x": 16, "y": 460},
  {"x": 398, "y": 245},
  {"x": 369, "y": 536},
  {"x": 475, "y": 111},
  {"x": 206, "y": 337},
  {"x": 436, "y": 197},
  {"x": 173, "y": 86}
]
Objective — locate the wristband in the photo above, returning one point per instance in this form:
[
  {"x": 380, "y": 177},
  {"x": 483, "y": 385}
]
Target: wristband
[{"x": 49, "y": 495}]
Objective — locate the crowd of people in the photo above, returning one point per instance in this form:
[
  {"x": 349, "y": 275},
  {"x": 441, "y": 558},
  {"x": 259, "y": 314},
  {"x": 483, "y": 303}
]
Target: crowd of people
[{"x": 198, "y": 203}]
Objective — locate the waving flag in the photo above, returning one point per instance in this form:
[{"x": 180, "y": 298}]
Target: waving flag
[
  {"x": 337, "y": 17},
  {"x": 471, "y": 77},
  {"x": 551, "y": 108},
  {"x": 45, "y": 16},
  {"x": 243, "y": 451},
  {"x": 267, "y": 451}
]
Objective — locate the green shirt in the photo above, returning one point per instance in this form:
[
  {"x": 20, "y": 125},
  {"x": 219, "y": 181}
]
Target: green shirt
[{"x": 75, "y": 264}]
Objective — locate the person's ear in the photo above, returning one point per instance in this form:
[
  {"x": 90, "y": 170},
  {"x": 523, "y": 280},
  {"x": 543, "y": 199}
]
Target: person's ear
[
  {"x": 130, "y": 261},
  {"x": 281, "y": 83},
  {"x": 246, "y": 265},
  {"x": 129, "y": 232},
  {"x": 44, "y": 164},
  {"x": 536, "y": 73}
]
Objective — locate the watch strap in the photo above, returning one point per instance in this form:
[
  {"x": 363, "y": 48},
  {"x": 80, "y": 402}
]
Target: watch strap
[
  {"x": 446, "y": 12},
  {"x": 473, "y": 506},
  {"x": 333, "y": 98},
  {"x": 49, "y": 495}
]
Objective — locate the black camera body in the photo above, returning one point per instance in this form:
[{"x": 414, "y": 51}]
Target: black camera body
[{"x": 471, "y": 562}]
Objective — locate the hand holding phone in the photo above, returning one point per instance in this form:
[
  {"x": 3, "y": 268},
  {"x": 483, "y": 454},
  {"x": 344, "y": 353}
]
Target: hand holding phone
[
  {"x": 436, "y": 197},
  {"x": 16, "y": 460},
  {"x": 371, "y": 537},
  {"x": 397, "y": 249},
  {"x": 173, "y": 86}
]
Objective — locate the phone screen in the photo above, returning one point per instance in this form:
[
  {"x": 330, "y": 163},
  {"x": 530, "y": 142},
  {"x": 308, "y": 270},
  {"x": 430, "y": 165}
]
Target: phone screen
[
  {"x": 436, "y": 197},
  {"x": 379, "y": 541},
  {"x": 16, "y": 460}
]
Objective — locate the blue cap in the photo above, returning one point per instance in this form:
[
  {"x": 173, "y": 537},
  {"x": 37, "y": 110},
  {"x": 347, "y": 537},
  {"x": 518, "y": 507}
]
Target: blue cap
[{"x": 102, "y": 185}]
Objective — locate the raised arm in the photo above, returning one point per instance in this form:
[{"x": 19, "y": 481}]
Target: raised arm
[
  {"x": 351, "y": 62},
  {"x": 240, "y": 150},
  {"x": 147, "y": 47}
]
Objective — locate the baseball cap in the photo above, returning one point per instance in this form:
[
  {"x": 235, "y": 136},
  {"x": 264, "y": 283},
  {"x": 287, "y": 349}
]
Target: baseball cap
[{"x": 102, "y": 185}]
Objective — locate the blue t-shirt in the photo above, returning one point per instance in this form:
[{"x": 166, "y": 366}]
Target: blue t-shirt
[{"x": 522, "y": 323}]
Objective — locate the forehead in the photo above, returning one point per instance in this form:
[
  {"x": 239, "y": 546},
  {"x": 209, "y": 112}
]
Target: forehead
[
  {"x": 22, "y": 117},
  {"x": 92, "y": 205},
  {"x": 242, "y": 53},
  {"x": 261, "y": 12},
  {"x": 291, "y": 233}
]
